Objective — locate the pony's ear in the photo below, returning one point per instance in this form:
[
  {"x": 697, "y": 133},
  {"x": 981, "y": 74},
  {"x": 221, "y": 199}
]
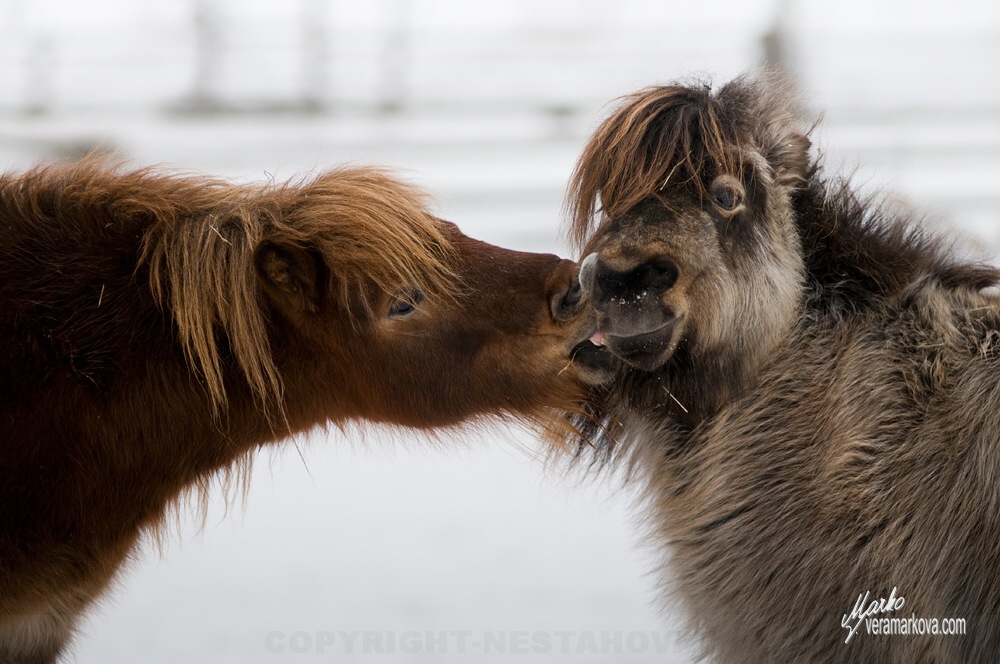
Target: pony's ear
[
  {"x": 789, "y": 157},
  {"x": 290, "y": 275},
  {"x": 770, "y": 104}
]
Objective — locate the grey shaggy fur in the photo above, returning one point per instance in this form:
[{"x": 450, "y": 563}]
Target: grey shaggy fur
[{"x": 827, "y": 421}]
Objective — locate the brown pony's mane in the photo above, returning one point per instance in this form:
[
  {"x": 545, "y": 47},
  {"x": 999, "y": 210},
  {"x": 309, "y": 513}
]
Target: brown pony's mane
[
  {"x": 676, "y": 133},
  {"x": 199, "y": 235}
]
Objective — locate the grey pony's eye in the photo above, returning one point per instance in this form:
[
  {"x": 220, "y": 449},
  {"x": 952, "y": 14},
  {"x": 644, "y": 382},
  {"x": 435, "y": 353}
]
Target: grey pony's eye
[
  {"x": 727, "y": 193},
  {"x": 726, "y": 198}
]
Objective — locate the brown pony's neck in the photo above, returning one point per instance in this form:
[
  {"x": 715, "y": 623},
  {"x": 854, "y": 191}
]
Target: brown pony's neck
[{"x": 139, "y": 440}]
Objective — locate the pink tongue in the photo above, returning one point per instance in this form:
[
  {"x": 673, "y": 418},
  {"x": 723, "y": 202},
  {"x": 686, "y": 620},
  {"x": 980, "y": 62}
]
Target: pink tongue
[{"x": 597, "y": 339}]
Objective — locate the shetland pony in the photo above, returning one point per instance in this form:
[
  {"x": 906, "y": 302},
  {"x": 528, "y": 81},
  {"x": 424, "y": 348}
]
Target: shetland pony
[
  {"x": 157, "y": 328},
  {"x": 807, "y": 383}
]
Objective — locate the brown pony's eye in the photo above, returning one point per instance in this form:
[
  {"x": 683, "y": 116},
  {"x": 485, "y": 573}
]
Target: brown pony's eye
[
  {"x": 727, "y": 193},
  {"x": 405, "y": 303}
]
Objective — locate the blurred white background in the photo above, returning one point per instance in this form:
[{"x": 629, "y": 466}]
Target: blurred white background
[{"x": 487, "y": 105}]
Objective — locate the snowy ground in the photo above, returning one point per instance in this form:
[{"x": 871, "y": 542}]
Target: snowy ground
[{"x": 380, "y": 537}]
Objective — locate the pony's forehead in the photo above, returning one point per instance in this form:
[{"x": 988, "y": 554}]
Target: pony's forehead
[
  {"x": 687, "y": 175},
  {"x": 670, "y": 139}
]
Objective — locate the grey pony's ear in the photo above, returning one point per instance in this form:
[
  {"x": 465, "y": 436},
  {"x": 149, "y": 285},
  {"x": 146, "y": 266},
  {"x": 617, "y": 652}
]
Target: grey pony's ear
[
  {"x": 769, "y": 100},
  {"x": 786, "y": 145},
  {"x": 789, "y": 156},
  {"x": 290, "y": 275}
]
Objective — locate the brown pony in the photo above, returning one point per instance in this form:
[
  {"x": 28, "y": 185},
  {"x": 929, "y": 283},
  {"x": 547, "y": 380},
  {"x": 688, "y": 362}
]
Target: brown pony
[
  {"x": 807, "y": 383},
  {"x": 156, "y": 329}
]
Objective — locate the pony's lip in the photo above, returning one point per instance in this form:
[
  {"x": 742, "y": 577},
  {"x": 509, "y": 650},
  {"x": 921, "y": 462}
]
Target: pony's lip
[
  {"x": 594, "y": 363},
  {"x": 646, "y": 351}
]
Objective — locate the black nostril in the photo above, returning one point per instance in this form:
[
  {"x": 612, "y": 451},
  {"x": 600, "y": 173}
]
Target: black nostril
[
  {"x": 565, "y": 306},
  {"x": 573, "y": 295},
  {"x": 657, "y": 275}
]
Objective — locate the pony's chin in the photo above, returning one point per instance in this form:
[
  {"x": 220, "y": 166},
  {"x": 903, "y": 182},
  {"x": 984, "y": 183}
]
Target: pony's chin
[{"x": 594, "y": 364}]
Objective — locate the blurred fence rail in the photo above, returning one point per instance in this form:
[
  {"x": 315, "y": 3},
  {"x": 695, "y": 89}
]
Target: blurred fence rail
[
  {"x": 902, "y": 88},
  {"x": 326, "y": 54},
  {"x": 260, "y": 55}
]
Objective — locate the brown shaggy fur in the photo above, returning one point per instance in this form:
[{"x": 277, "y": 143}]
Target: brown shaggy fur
[
  {"x": 807, "y": 383},
  {"x": 155, "y": 329}
]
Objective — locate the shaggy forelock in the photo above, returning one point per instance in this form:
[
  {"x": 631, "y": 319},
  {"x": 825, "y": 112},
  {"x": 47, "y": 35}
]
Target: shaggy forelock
[{"x": 676, "y": 134}]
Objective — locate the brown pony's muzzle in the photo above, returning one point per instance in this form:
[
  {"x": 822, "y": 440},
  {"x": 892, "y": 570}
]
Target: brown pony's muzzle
[
  {"x": 565, "y": 294},
  {"x": 569, "y": 303}
]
